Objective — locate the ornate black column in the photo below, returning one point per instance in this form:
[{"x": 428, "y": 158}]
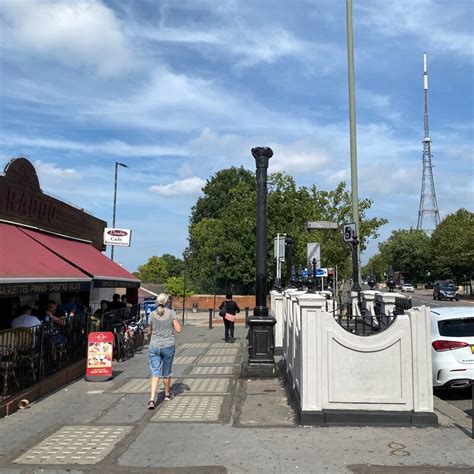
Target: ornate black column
[{"x": 261, "y": 360}]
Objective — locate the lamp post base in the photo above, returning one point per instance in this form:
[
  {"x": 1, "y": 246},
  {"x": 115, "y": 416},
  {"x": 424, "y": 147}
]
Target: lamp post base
[{"x": 261, "y": 341}]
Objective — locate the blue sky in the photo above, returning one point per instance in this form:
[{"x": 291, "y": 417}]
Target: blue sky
[{"x": 180, "y": 89}]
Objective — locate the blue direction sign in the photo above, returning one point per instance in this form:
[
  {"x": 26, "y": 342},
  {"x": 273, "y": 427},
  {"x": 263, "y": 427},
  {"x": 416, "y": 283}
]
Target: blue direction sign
[{"x": 321, "y": 272}]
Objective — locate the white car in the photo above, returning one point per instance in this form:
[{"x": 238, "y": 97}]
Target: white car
[
  {"x": 452, "y": 346},
  {"x": 408, "y": 287}
]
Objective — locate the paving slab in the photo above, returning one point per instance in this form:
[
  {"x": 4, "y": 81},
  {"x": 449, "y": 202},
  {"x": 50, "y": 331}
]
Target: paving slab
[{"x": 75, "y": 445}]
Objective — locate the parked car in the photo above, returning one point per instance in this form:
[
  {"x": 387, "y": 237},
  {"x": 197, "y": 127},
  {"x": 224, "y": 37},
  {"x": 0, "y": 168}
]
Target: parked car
[
  {"x": 445, "y": 290},
  {"x": 408, "y": 287},
  {"x": 452, "y": 346}
]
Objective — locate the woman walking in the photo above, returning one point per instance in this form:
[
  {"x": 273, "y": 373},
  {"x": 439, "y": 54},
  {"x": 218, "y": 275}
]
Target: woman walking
[
  {"x": 162, "y": 325},
  {"x": 228, "y": 309}
]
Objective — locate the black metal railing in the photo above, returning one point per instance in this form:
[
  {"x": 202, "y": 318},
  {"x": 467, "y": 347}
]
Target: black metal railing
[
  {"x": 362, "y": 323},
  {"x": 28, "y": 355},
  {"x": 106, "y": 321}
]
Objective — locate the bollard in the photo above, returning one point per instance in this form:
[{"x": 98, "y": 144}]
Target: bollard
[
  {"x": 472, "y": 413},
  {"x": 246, "y": 316},
  {"x": 210, "y": 317}
]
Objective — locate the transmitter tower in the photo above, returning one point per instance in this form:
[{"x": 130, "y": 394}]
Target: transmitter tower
[{"x": 428, "y": 202}]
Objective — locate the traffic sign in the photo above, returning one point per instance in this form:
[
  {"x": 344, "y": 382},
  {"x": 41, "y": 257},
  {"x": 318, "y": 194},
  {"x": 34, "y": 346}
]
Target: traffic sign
[
  {"x": 321, "y": 272},
  {"x": 349, "y": 232}
]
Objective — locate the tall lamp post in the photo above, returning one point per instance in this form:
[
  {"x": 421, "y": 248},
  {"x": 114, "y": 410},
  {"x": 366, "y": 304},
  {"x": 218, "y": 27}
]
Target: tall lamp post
[
  {"x": 261, "y": 362},
  {"x": 353, "y": 135},
  {"x": 117, "y": 164},
  {"x": 215, "y": 286},
  {"x": 185, "y": 258}
]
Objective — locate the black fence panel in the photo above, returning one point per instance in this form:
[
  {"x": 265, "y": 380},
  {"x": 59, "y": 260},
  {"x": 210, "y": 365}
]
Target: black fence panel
[{"x": 28, "y": 355}]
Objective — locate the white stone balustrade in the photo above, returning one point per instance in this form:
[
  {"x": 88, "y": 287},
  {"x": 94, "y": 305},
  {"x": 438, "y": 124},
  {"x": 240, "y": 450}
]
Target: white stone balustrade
[{"x": 340, "y": 377}]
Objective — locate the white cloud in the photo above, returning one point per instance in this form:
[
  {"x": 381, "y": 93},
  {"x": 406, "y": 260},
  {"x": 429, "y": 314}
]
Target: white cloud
[
  {"x": 299, "y": 157},
  {"x": 110, "y": 147},
  {"x": 50, "y": 172},
  {"x": 187, "y": 186},
  {"x": 75, "y": 32},
  {"x": 436, "y": 26}
]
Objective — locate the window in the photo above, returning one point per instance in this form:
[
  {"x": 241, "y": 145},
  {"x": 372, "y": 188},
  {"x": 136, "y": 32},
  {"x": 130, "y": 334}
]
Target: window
[{"x": 462, "y": 327}]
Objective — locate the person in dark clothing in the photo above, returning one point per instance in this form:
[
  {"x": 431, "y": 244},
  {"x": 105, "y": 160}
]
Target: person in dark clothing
[
  {"x": 115, "y": 303},
  {"x": 231, "y": 308}
]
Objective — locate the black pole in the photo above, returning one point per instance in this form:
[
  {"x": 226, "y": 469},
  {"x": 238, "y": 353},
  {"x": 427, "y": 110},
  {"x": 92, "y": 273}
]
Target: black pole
[
  {"x": 184, "y": 291},
  {"x": 261, "y": 155},
  {"x": 261, "y": 340},
  {"x": 215, "y": 284},
  {"x": 210, "y": 318},
  {"x": 115, "y": 206}
]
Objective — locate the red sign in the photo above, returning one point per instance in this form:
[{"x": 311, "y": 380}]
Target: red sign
[
  {"x": 117, "y": 233},
  {"x": 99, "y": 356}
]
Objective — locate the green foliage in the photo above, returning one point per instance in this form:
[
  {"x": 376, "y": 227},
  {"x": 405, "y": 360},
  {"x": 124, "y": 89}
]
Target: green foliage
[
  {"x": 453, "y": 245},
  {"x": 378, "y": 265},
  {"x": 174, "y": 265},
  {"x": 175, "y": 287},
  {"x": 220, "y": 191},
  {"x": 223, "y": 224},
  {"x": 154, "y": 271},
  {"x": 158, "y": 269},
  {"x": 408, "y": 251}
]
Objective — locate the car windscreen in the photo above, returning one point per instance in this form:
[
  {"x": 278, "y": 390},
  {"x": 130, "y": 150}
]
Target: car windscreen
[
  {"x": 448, "y": 287},
  {"x": 462, "y": 327}
]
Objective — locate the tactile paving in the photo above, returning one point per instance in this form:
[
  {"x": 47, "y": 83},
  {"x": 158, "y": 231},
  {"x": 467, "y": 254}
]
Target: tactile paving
[
  {"x": 75, "y": 445},
  {"x": 190, "y": 409},
  {"x": 202, "y": 385},
  {"x": 222, "y": 370},
  {"x": 184, "y": 360},
  {"x": 134, "y": 386},
  {"x": 194, "y": 345},
  {"x": 220, "y": 345},
  {"x": 227, "y": 351},
  {"x": 218, "y": 359}
]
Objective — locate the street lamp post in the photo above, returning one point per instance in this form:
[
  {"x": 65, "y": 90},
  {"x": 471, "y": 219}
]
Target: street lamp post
[
  {"x": 261, "y": 362},
  {"x": 117, "y": 164},
  {"x": 353, "y": 135},
  {"x": 185, "y": 258}
]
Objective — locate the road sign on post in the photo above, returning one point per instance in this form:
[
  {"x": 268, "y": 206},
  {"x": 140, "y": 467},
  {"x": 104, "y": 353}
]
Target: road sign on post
[
  {"x": 313, "y": 251},
  {"x": 349, "y": 232}
]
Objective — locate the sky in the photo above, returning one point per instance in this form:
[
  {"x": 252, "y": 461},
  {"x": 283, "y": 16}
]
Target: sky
[{"x": 178, "y": 90}]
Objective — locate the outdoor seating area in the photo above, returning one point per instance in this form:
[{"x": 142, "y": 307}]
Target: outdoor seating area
[{"x": 28, "y": 355}]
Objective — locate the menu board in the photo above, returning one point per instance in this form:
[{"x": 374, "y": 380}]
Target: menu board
[{"x": 99, "y": 356}]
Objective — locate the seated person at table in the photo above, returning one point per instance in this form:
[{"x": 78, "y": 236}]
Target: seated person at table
[
  {"x": 52, "y": 313},
  {"x": 25, "y": 319}
]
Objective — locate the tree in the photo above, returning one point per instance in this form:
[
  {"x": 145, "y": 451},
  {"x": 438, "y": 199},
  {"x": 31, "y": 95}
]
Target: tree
[
  {"x": 453, "y": 245},
  {"x": 174, "y": 265},
  {"x": 175, "y": 287},
  {"x": 154, "y": 271},
  {"x": 223, "y": 224},
  {"x": 408, "y": 251},
  {"x": 378, "y": 265}
]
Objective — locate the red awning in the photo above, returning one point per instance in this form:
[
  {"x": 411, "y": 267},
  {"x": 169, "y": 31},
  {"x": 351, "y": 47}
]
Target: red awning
[
  {"x": 23, "y": 260},
  {"x": 104, "y": 271}
]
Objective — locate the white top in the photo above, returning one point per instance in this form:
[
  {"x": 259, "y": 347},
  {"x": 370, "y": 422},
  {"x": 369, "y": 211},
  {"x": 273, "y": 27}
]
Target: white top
[{"x": 25, "y": 321}]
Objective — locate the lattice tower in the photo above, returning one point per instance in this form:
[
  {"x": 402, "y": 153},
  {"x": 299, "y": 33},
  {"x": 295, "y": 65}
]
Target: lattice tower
[{"x": 428, "y": 201}]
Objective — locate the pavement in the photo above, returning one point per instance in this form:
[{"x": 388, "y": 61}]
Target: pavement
[{"x": 217, "y": 423}]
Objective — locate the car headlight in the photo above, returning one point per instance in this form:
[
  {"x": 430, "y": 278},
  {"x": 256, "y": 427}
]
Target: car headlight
[{"x": 442, "y": 292}]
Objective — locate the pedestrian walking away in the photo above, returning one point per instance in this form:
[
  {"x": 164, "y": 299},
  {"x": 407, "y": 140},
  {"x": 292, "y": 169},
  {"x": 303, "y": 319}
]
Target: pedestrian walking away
[
  {"x": 228, "y": 309},
  {"x": 162, "y": 325}
]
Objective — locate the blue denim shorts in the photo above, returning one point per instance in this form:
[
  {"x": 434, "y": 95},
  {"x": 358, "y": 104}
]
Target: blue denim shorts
[{"x": 161, "y": 360}]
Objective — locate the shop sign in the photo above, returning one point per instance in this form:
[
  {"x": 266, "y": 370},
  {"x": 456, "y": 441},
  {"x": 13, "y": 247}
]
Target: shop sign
[
  {"x": 116, "y": 284},
  {"x": 99, "y": 356},
  {"x": 18, "y": 289},
  {"x": 119, "y": 237}
]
